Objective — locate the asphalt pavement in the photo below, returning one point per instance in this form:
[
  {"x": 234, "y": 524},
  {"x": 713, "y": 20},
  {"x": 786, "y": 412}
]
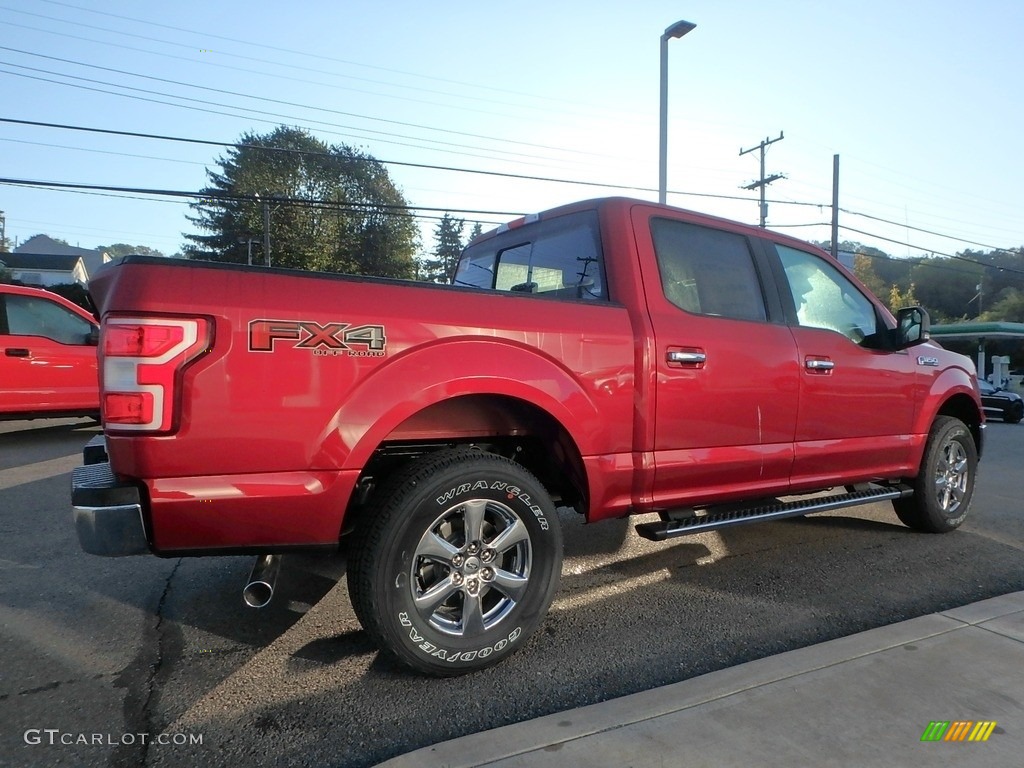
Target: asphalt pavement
[
  {"x": 123, "y": 649},
  {"x": 943, "y": 689}
]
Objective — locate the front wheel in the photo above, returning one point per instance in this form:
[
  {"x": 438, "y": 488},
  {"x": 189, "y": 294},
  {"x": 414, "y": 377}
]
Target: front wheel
[
  {"x": 945, "y": 483},
  {"x": 458, "y": 562}
]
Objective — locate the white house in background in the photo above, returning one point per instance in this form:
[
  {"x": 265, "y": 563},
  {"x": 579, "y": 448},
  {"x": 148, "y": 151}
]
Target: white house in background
[
  {"x": 43, "y": 270},
  {"x": 43, "y": 261}
]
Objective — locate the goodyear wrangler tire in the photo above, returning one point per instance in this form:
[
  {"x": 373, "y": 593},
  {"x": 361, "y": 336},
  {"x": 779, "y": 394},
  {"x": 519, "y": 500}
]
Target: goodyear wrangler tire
[
  {"x": 458, "y": 563},
  {"x": 945, "y": 483}
]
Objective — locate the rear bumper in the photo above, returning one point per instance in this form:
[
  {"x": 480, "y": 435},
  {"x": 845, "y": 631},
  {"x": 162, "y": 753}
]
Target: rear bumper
[{"x": 107, "y": 512}]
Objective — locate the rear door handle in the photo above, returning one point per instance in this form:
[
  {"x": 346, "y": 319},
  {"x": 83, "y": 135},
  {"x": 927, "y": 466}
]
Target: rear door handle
[
  {"x": 686, "y": 357},
  {"x": 17, "y": 352},
  {"x": 819, "y": 365}
]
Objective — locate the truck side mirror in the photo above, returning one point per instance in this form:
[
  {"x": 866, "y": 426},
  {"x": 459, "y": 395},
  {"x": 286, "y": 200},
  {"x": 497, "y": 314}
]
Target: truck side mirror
[
  {"x": 92, "y": 338},
  {"x": 912, "y": 327}
]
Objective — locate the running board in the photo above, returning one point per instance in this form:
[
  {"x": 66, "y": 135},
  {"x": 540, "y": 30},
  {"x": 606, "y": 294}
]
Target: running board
[{"x": 725, "y": 516}]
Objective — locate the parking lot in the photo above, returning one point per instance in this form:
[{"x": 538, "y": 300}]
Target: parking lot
[{"x": 144, "y": 661}]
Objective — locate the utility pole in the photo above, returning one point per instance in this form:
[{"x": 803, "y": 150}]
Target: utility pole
[
  {"x": 266, "y": 233},
  {"x": 248, "y": 241},
  {"x": 763, "y": 182},
  {"x": 835, "y": 207}
]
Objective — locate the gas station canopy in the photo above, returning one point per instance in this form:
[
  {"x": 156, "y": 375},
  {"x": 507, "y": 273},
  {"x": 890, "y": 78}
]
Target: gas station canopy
[
  {"x": 979, "y": 331},
  {"x": 982, "y": 332}
]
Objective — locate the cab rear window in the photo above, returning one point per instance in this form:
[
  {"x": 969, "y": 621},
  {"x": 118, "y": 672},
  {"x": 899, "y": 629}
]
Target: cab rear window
[{"x": 558, "y": 258}]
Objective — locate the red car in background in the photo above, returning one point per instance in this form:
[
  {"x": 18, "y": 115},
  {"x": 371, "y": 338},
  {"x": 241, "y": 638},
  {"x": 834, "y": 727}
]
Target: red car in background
[{"x": 47, "y": 356}]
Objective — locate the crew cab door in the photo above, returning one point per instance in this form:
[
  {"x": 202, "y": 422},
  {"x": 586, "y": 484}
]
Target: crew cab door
[
  {"x": 857, "y": 398},
  {"x": 724, "y": 362},
  {"x": 47, "y": 357}
]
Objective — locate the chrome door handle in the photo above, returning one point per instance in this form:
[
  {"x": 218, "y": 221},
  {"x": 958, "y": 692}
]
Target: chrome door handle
[
  {"x": 819, "y": 365},
  {"x": 686, "y": 358}
]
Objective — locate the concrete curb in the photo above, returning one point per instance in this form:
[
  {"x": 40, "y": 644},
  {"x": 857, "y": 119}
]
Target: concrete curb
[{"x": 731, "y": 707}]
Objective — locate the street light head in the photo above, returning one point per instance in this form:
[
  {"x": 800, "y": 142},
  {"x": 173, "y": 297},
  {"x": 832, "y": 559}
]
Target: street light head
[{"x": 679, "y": 29}]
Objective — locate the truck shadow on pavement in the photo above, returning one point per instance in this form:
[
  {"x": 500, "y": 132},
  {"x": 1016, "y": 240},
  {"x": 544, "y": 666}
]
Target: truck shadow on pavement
[{"x": 646, "y": 615}]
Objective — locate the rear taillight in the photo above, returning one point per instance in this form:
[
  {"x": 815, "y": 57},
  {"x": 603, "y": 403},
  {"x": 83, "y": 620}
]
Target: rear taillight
[{"x": 142, "y": 363}]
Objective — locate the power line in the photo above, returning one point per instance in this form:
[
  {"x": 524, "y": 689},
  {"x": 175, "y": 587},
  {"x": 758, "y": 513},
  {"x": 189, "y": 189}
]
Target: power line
[
  {"x": 500, "y": 174},
  {"x": 267, "y": 46},
  {"x": 919, "y": 229},
  {"x": 398, "y": 210},
  {"x": 547, "y": 111},
  {"x": 277, "y": 115},
  {"x": 320, "y": 70},
  {"x": 965, "y": 259},
  {"x": 103, "y": 152},
  {"x": 392, "y": 209},
  {"x": 280, "y": 101},
  {"x": 248, "y": 198},
  {"x": 317, "y": 70}
]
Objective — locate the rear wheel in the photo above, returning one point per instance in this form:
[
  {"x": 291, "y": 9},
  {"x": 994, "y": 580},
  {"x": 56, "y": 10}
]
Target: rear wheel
[
  {"x": 945, "y": 483},
  {"x": 458, "y": 564}
]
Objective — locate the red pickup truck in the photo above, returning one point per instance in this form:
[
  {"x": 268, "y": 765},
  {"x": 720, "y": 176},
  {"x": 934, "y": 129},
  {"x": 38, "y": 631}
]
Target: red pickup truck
[
  {"x": 612, "y": 356},
  {"x": 47, "y": 356}
]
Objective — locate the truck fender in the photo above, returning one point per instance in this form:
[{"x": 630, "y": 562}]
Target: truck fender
[
  {"x": 951, "y": 392},
  {"x": 430, "y": 374}
]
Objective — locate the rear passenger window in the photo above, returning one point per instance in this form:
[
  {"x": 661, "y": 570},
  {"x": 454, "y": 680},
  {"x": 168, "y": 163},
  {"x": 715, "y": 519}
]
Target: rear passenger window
[
  {"x": 559, "y": 257},
  {"x": 706, "y": 271}
]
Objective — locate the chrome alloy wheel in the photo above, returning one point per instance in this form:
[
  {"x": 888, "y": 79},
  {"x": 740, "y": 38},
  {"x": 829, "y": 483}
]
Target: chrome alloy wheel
[
  {"x": 471, "y": 567},
  {"x": 951, "y": 477}
]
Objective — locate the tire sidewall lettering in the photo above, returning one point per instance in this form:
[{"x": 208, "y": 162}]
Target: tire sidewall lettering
[
  {"x": 427, "y": 641},
  {"x": 512, "y": 493},
  {"x": 455, "y": 656},
  {"x": 384, "y": 585}
]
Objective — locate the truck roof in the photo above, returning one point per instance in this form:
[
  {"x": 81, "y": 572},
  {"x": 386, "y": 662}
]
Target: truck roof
[{"x": 602, "y": 203}]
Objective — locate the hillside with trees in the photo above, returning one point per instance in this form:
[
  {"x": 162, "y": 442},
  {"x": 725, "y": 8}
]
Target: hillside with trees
[{"x": 986, "y": 286}]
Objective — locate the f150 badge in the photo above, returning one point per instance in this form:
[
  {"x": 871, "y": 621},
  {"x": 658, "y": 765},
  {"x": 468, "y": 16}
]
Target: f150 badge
[{"x": 332, "y": 339}]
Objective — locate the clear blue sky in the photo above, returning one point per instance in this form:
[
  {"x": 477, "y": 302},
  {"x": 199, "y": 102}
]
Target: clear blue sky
[{"x": 921, "y": 100}]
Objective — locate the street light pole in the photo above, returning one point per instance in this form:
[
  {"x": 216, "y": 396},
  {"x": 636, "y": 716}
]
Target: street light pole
[{"x": 678, "y": 29}]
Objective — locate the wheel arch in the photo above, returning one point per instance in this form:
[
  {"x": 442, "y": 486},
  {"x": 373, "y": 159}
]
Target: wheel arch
[
  {"x": 952, "y": 393},
  {"x": 963, "y": 407},
  {"x": 501, "y": 424},
  {"x": 485, "y": 392}
]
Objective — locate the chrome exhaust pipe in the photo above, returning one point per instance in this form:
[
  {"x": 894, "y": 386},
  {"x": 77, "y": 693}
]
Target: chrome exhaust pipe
[{"x": 259, "y": 590}]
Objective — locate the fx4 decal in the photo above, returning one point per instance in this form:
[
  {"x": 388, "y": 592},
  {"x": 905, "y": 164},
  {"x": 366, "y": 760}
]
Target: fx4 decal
[{"x": 324, "y": 340}]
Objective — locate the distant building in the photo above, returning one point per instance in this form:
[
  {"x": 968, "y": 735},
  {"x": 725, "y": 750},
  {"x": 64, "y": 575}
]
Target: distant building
[
  {"x": 43, "y": 261},
  {"x": 43, "y": 270}
]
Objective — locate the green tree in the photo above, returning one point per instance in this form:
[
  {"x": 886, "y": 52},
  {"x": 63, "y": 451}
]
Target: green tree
[
  {"x": 1008, "y": 308},
  {"x": 124, "y": 249},
  {"x": 864, "y": 269},
  {"x": 447, "y": 247},
  {"x": 73, "y": 292},
  {"x": 899, "y": 299},
  {"x": 332, "y": 208},
  {"x": 947, "y": 288}
]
